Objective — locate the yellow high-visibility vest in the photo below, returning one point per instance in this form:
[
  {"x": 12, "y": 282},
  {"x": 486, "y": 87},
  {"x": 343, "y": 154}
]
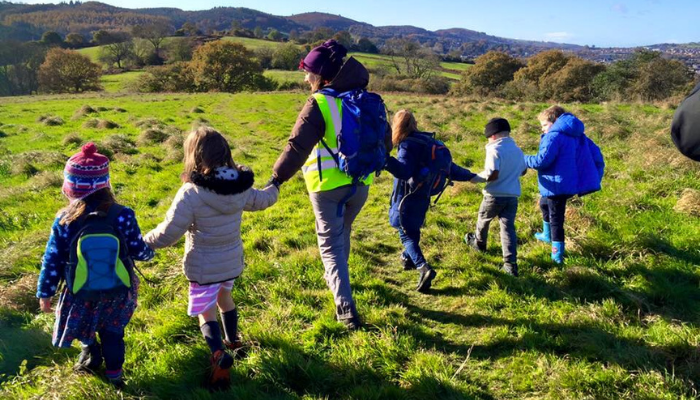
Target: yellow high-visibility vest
[{"x": 321, "y": 173}]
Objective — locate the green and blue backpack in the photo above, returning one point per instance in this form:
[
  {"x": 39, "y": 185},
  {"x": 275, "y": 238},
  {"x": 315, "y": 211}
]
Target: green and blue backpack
[{"x": 99, "y": 263}]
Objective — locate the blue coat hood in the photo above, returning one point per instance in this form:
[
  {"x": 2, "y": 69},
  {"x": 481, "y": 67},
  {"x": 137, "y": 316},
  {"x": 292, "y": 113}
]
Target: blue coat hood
[
  {"x": 568, "y": 162},
  {"x": 569, "y": 125}
]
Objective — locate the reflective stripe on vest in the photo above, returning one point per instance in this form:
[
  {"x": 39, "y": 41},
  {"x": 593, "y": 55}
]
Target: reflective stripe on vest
[{"x": 329, "y": 177}]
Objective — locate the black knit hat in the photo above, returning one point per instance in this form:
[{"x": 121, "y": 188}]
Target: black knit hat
[{"x": 496, "y": 125}]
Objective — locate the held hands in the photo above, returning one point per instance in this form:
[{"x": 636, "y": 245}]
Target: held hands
[{"x": 45, "y": 305}]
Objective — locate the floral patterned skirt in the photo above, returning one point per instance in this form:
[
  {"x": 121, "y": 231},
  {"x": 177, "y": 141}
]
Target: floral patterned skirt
[{"x": 79, "y": 319}]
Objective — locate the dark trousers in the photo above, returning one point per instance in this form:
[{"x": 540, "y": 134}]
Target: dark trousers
[
  {"x": 505, "y": 209},
  {"x": 411, "y": 243},
  {"x": 112, "y": 349},
  {"x": 553, "y": 210}
]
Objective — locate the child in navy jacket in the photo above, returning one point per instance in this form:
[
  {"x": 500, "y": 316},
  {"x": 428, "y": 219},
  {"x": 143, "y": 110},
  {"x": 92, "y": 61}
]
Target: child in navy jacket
[
  {"x": 86, "y": 184},
  {"x": 409, "y": 205},
  {"x": 568, "y": 163}
]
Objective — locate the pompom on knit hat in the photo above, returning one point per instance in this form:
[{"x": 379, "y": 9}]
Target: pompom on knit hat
[
  {"x": 86, "y": 172},
  {"x": 496, "y": 125},
  {"x": 325, "y": 60}
]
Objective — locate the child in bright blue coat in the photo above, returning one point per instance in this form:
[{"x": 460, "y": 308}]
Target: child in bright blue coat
[
  {"x": 568, "y": 163},
  {"x": 409, "y": 204}
]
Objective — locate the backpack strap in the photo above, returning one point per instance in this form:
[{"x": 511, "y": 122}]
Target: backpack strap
[{"x": 112, "y": 215}]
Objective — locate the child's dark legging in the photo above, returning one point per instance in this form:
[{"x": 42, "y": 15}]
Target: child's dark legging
[
  {"x": 553, "y": 210},
  {"x": 112, "y": 349}
]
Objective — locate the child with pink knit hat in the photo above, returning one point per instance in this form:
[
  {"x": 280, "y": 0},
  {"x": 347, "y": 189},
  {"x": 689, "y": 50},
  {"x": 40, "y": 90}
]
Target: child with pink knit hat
[{"x": 90, "y": 307}]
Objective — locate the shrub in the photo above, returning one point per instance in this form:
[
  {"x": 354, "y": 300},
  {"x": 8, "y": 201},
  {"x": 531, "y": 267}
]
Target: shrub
[
  {"x": 176, "y": 77},
  {"x": 489, "y": 74}
]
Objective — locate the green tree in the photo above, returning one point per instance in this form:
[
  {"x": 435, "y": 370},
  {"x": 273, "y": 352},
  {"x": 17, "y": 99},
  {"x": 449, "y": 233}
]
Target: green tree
[
  {"x": 344, "y": 38},
  {"x": 541, "y": 65},
  {"x": 19, "y": 67},
  {"x": 179, "y": 49},
  {"x": 573, "y": 82},
  {"x": 365, "y": 45},
  {"x": 52, "y": 39},
  {"x": 190, "y": 29},
  {"x": 258, "y": 32},
  {"x": 274, "y": 35},
  {"x": 75, "y": 40},
  {"x": 287, "y": 57},
  {"x": 68, "y": 71},
  {"x": 660, "y": 78},
  {"x": 226, "y": 67}
]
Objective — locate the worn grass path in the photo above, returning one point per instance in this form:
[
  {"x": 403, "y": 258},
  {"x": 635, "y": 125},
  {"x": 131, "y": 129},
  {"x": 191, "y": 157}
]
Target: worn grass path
[{"x": 619, "y": 320}]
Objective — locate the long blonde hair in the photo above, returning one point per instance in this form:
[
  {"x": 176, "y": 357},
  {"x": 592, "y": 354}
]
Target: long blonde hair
[
  {"x": 205, "y": 150},
  {"x": 402, "y": 125}
]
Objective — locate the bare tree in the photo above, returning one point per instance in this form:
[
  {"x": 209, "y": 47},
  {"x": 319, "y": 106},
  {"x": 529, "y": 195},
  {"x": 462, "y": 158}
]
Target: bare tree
[{"x": 154, "y": 33}]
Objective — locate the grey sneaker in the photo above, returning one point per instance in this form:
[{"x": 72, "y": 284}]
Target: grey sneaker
[
  {"x": 510, "y": 269},
  {"x": 470, "y": 240},
  {"x": 425, "y": 278}
]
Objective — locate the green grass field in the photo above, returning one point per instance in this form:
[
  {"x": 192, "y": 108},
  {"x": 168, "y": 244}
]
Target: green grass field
[{"x": 619, "y": 320}]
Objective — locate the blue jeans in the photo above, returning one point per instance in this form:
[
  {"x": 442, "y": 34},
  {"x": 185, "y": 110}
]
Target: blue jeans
[{"x": 411, "y": 243}]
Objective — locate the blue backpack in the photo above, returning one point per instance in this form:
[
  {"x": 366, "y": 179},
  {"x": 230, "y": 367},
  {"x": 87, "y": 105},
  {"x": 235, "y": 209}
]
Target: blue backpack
[
  {"x": 435, "y": 162},
  {"x": 360, "y": 134},
  {"x": 99, "y": 263}
]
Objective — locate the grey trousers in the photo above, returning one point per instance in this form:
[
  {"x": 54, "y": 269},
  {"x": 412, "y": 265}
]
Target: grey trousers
[
  {"x": 505, "y": 208},
  {"x": 333, "y": 234}
]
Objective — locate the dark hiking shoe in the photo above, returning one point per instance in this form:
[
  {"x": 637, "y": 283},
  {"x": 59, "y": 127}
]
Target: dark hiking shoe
[
  {"x": 219, "y": 375},
  {"x": 90, "y": 359},
  {"x": 510, "y": 269},
  {"x": 353, "y": 323},
  {"x": 425, "y": 278},
  {"x": 117, "y": 382},
  {"x": 407, "y": 263},
  {"x": 237, "y": 348},
  {"x": 470, "y": 240}
]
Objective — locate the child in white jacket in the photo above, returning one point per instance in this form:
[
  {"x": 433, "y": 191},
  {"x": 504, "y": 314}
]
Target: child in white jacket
[{"x": 207, "y": 210}]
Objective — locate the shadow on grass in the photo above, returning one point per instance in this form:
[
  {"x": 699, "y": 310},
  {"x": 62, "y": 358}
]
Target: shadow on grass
[
  {"x": 22, "y": 347},
  {"x": 284, "y": 370},
  {"x": 578, "y": 340}
]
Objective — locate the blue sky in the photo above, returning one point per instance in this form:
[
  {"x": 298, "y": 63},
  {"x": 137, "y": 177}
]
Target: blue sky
[{"x": 592, "y": 22}]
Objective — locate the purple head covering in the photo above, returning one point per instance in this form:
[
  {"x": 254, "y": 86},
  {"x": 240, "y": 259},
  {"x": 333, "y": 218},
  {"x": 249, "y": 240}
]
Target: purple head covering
[{"x": 325, "y": 60}]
